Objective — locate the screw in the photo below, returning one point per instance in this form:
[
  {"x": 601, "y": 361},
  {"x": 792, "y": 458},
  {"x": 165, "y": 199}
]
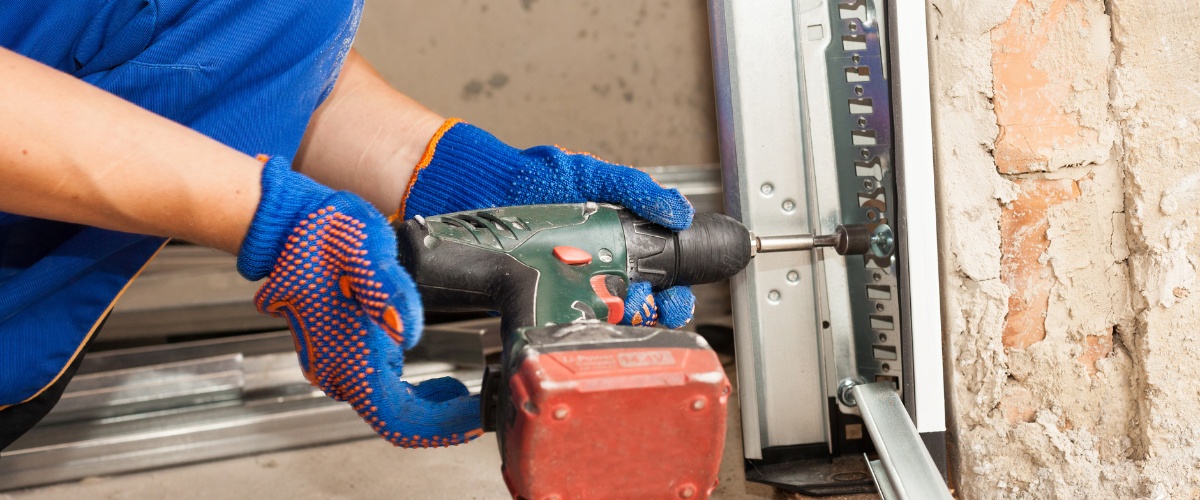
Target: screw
[
  {"x": 605, "y": 255},
  {"x": 793, "y": 276},
  {"x": 698, "y": 404},
  {"x": 773, "y": 296},
  {"x": 561, "y": 413},
  {"x": 687, "y": 491},
  {"x": 767, "y": 188},
  {"x": 789, "y": 205},
  {"x": 883, "y": 241}
]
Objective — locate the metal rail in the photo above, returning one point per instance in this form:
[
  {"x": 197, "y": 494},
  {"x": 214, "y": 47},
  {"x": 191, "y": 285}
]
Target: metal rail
[
  {"x": 909, "y": 471},
  {"x": 160, "y": 406}
]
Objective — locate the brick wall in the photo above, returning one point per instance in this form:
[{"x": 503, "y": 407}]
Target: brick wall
[{"x": 1065, "y": 130}]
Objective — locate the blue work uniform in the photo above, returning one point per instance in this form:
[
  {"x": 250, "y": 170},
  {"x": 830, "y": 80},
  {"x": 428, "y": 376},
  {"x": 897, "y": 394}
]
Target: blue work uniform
[{"x": 248, "y": 73}]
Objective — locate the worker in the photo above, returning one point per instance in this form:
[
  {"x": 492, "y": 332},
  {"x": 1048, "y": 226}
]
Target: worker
[{"x": 251, "y": 127}]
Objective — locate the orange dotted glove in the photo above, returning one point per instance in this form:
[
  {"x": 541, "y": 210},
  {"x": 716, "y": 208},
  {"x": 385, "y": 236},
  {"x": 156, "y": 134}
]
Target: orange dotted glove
[{"x": 331, "y": 268}]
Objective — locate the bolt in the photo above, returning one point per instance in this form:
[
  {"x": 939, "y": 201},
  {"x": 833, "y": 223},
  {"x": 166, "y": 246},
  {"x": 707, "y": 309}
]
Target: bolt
[
  {"x": 605, "y": 255},
  {"x": 767, "y": 188},
  {"x": 561, "y": 413},
  {"x": 687, "y": 491},
  {"x": 789, "y": 205},
  {"x": 843, "y": 391},
  {"x": 773, "y": 296},
  {"x": 793, "y": 276},
  {"x": 698, "y": 404}
]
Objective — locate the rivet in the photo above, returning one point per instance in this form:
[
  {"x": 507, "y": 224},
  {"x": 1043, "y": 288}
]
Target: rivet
[
  {"x": 789, "y": 205},
  {"x": 767, "y": 188},
  {"x": 561, "y": 413},
  {"x": 605, "y": 255},
  {"x": 793, "y": 276},
  {"x": 687, "y": 491},
  {"x": 773, "y": 296},
  {"x": 698, "y": 404}
]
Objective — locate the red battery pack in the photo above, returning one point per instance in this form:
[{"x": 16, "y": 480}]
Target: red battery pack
[{"x": 587, "y": 419}]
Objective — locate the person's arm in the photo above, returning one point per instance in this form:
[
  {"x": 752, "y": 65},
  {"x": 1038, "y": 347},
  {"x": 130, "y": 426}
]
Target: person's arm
[
  {"x": 366, "y": 137},
  {"x": 72, "y": 152}
]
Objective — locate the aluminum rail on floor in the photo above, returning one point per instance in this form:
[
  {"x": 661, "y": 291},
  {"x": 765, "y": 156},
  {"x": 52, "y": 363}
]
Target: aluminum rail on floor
[{"x": 160, "y": 406}]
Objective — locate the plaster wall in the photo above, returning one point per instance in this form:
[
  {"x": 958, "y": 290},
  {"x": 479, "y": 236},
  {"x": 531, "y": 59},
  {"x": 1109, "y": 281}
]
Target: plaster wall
[{"x": 1065, "y": 130}]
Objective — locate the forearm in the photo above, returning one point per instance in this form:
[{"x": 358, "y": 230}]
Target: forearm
[
  {"x": 72, "y": 152},
  {"x": 366, "y": 137}
]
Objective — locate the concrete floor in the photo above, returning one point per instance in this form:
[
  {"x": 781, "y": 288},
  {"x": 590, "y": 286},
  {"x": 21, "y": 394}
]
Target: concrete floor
[{"x": 361, "y": 469}]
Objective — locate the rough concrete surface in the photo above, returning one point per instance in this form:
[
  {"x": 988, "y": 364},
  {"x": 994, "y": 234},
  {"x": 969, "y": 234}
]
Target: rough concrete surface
[{"x": 1064, "y": 132}]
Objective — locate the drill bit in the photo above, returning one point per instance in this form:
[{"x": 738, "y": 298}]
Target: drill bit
[{"x": 850, "y": 239}]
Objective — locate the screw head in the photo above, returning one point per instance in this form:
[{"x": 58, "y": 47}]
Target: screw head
[
  {"x": 883, "y": 241},
  {"x": 605, "y": 255}
]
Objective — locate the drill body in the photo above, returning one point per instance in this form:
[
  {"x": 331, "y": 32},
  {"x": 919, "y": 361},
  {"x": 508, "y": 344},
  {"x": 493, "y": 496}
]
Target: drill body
[{"x": 583, "y": 407}]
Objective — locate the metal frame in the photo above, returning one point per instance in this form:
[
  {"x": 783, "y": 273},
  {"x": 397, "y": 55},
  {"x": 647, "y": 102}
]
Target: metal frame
[{"x": 813, "y": 134}]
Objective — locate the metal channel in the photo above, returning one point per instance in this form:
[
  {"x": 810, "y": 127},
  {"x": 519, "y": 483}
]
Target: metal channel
[
  {"x": 910, "y": 471},
  {"x": 152, "y": 407},
  {"x": 805, "y": 124},
  {"x": 762, "y": 131},
  {"x": 813, "y": 135}
]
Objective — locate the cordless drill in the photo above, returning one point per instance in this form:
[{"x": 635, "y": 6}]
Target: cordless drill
[{"x": 582, "y": 407}]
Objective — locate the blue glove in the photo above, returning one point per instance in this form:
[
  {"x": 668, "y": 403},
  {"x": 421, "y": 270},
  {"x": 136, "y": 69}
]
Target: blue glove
[
  {"x": 466, "y": 168},
  {"x": 331, "y": 269}
]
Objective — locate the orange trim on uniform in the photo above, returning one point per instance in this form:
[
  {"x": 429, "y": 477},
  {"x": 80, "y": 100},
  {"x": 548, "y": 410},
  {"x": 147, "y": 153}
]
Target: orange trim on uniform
[
  {"x": 425, "y": 159},
  {"x": 92, "y": 331}
]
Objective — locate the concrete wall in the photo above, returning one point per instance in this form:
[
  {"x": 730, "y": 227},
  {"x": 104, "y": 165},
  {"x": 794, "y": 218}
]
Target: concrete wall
[
  {"x": 627, "y": 80},
  {"x": 1065, "y": 131}
]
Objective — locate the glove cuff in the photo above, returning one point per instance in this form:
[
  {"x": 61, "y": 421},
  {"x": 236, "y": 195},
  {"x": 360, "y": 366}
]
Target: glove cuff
[
  {"x": 460, "y": 168},
  {"x": 286, "y": 197}
]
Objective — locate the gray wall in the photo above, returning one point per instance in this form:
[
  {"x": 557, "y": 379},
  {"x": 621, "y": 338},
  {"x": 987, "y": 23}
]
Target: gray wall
[{"x": 628, "y": 80}]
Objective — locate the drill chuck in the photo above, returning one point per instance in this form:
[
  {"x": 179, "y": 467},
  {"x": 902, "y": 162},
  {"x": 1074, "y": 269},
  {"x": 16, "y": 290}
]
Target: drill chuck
[{"x": 714, "y": 248}]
